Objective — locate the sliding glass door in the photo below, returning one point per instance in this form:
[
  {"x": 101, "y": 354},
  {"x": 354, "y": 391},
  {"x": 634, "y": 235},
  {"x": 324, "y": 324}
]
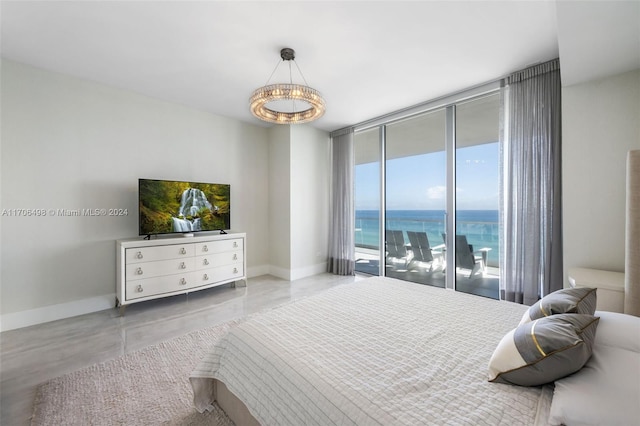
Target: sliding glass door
[
  {"x": 415, "y": 194},
  {"x": 477, "y": 177},
  {"x": 367, "y": 172},
  {"x": 426, "y": 192}
]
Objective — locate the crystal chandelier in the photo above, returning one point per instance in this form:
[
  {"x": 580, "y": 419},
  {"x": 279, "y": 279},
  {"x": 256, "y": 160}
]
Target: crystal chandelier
[{"x": 289, "y": 103}]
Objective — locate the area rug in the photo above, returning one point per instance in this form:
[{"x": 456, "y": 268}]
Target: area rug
[{"x": 147, "y": 387}]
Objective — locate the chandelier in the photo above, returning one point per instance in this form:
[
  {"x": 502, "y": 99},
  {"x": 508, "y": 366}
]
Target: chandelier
[{"x": 288, "y": 103}]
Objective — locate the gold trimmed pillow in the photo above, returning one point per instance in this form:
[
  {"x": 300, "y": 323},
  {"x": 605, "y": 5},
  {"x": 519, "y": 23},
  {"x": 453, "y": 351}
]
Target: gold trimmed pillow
[
  {"x": 544, "y": 350},
  {"x": 578, "y": 300}
]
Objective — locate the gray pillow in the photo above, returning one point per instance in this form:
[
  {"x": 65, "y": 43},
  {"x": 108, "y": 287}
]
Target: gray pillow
[
  {"x": 544, "y": 350},
  {"x": 578, "y": 300}
]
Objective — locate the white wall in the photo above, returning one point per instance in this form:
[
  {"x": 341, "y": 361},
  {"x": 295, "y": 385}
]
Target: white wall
[
  {"x": 310, "y": 169},
  {"x": 600, "y": 123},
  {"x": 279, "y": 201},
  {"x": 299, "y": 199},
  {"x": 73, "y": 144}
]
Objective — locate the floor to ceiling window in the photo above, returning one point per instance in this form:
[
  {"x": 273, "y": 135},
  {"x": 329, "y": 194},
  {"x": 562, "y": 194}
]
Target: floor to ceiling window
[
  {"x": 477, "y": 189},
  {"x": 411, "y": 175},
  {"x": 367, "y": 201},
  {"x": 415, "y": 179}
]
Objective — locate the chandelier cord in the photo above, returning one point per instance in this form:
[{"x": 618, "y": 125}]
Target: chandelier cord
[
  {"x": 293, "y": 101},
  {"x": 300, "y": 71},
  {"x": 290, "y": 72},
  {"x": 273, "y": 72}
]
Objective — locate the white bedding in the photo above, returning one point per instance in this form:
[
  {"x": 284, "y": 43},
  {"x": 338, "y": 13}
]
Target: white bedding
[{"x": 375, "y": 352}]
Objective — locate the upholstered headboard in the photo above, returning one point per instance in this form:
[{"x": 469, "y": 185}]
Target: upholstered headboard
[{"x": 632, "y": 256}]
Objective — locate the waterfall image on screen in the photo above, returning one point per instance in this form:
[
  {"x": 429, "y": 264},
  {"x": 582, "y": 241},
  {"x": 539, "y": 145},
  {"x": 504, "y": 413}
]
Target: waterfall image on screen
[
  {"x": 193, "y": 203},
  {"x": 173, "y": 206}
]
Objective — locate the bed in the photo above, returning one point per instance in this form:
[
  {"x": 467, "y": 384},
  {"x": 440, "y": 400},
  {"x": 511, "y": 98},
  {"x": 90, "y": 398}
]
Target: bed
[
  {"x": 386, "y": 352},
  {"x": 377, "y": 351}
]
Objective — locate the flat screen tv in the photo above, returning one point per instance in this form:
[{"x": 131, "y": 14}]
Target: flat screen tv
[{"x": 167, "y": 206}]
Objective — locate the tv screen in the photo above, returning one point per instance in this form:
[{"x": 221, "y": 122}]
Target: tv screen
[{"x": 173, "y": 206}]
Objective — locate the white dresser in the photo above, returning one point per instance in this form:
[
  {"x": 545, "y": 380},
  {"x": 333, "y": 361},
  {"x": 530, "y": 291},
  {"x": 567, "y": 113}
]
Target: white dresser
[{"x": 160, "y": 267}]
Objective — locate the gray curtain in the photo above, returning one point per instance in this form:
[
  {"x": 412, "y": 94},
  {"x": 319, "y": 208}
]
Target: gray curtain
[
  {"x": 531, "y": 188},
  {"x": 342, "y": 215},
  {"x": 632, "y": 244}
]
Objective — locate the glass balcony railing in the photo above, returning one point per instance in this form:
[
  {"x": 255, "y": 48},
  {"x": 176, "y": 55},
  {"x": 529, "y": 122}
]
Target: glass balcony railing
[
  {"x": 479, "y": 233},
  {"x": 476, "y": 277}
]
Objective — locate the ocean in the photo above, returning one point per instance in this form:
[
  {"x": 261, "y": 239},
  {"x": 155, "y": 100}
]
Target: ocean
[{"x": 480, "y": 226}]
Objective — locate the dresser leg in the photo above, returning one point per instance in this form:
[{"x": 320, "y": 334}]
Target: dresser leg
[
  {"x": 239, "y": 283},
  {"x": 122, "y": 307}
]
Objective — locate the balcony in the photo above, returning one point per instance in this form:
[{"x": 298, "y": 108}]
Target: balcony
[{"x": 481, "y": 234}]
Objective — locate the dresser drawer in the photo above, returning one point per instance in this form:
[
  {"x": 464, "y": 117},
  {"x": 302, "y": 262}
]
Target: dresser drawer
[
  {"x": 211, "y": 247},
  {"x": 219, "y": 259},
  {"x": 161, "y": 267},
  {"x": 144, "y": 270},
  {"x": 150, "y": 254},
  {"x": 220, "y": 273},
  {"x": 160, "y": 285}
]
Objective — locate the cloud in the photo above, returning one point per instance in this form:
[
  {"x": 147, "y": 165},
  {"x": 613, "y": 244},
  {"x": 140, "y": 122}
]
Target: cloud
[{"x": 436, "y": 192}]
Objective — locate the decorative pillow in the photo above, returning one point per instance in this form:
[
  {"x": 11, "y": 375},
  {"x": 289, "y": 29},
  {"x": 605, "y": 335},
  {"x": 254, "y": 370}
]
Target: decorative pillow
[
  {"x": 544, "y": 350},
  {"x": 607, "y": 390},
  {"x": 578, "y": 300}
]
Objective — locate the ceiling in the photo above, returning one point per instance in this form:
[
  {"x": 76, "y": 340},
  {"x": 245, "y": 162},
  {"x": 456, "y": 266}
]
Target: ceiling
[{"x": 366, "y": 58}]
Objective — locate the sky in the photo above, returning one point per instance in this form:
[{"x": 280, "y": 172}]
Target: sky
[{"x": 419, "y": 182}]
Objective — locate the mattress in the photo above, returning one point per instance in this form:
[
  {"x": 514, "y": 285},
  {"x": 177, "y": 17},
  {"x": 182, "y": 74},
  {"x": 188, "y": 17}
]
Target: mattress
[{"x": 375, "y": 352}]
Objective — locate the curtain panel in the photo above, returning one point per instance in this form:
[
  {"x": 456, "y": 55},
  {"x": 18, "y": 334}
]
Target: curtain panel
[
  {"x": 632, "y": 241},
  {"x": 341, "y": 259},
  {"x": 531, "y": 186}
]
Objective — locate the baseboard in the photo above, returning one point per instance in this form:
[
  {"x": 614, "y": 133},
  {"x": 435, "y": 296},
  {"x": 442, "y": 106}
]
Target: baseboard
[
  {"x": 256, "y": 271},
  {"x": 308, "y": 271},
  {"x": 44, "y": 314},
  {"x": 55, "y": 312},
  {"x": 283, "y": 273},
  {"x": 298, "y": 273}
]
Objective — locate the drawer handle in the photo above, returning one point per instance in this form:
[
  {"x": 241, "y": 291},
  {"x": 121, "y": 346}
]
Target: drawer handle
[
  {"x": 235, "y": 244},
  {"x": 183, "y": 266},
  {"x": 206, "y": 277},
  {"x": 235, "y": 270},
  {"x": 139, "y": 289},
  {"x": 139, "y": 255},
  {"x": 205, "y": 248},
  {"x": 139, "y": 271},
  {"x": 235, "y": 256},
  {"x": 183, "y": 251},
  {"x": 205, "y": 262},
  {"x": 183, "y": 281}
]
